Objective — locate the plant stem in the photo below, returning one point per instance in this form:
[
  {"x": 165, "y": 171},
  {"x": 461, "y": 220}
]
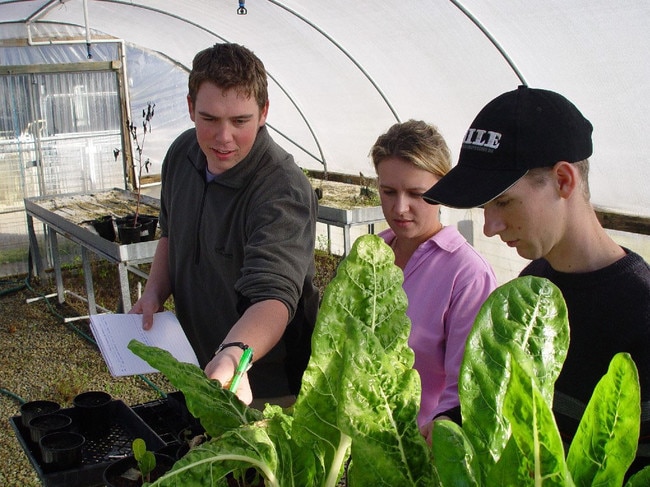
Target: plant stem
[{"x": 338, "y": 460}]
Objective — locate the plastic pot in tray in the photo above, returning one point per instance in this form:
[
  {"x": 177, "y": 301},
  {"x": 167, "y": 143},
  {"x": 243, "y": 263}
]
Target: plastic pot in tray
[
  {"x": 32, "y": 409},
  {"x": 93, "y": 409},
  {"x": 125, "y": 473},
  {"x": 48, "y": 423},
  {"x": 62, "y": 450}
]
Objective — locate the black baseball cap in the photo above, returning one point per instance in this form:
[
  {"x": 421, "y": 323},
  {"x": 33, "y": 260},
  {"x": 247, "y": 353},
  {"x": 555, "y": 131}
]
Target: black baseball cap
[{"x": 517, "y": 131}]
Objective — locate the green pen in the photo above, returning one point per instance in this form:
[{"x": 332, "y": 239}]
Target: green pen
[{"x": 242, "y": 367}]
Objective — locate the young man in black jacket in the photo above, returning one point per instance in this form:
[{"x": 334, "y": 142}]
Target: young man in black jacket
[{"x": 525, "y": 161}]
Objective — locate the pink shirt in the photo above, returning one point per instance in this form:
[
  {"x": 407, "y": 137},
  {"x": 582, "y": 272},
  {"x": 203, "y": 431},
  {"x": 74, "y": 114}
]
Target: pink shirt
[{"x": 446, "y": 281}]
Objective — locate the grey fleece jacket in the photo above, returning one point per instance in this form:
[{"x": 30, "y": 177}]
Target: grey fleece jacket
[{"x": 245, "y": 237}]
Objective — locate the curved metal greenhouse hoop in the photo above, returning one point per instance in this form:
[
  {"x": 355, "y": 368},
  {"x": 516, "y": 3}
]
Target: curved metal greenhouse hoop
[
  {"x": 491, "y": 38},
  {"x": 43, "y": 10},
  {"x": 330, "y": 39}
]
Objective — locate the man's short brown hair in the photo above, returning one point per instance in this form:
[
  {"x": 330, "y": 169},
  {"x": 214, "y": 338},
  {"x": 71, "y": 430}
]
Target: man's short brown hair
[{"x": 230, "y": 66}]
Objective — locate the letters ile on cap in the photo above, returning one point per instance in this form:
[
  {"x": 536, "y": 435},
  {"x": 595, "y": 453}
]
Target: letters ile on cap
[{"x": 483, "y": 140}]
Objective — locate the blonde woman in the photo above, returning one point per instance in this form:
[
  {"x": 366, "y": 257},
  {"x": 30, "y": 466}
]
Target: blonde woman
[{"x": 445, "y": 279}]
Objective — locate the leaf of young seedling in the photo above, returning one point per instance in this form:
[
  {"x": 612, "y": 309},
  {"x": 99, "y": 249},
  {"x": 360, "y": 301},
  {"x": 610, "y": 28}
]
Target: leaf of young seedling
[
  {"x": 146, "y": 464},
  {"x": 146, "y": 459},
  {"x": 139, "y": 448}
]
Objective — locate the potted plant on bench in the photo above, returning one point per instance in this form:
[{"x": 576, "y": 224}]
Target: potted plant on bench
[{"x": 131, "y": 228}]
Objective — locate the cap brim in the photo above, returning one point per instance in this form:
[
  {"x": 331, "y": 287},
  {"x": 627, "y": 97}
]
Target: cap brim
[{"x": 469, "y": 187}]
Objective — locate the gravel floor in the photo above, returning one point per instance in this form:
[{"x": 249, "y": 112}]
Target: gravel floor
[{"x": 45, "y": 358}]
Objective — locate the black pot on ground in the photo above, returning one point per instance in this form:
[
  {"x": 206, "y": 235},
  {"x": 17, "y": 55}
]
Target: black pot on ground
[
  {"x": 124, "y": 472},
  {"x": 32, "y": 409},
  {"x": 104, "y": 227},
  {"x": 62, "y": 450}
]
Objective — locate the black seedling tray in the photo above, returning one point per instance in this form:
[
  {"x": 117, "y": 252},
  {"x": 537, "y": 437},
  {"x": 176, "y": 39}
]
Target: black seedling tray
[
  {"x": 168, "y": 417},
  {"x": 101, "y": 448}
]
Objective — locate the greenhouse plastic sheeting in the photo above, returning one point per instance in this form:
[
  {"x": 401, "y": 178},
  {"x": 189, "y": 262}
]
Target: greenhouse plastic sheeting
[{"x": 343, "y": 72}]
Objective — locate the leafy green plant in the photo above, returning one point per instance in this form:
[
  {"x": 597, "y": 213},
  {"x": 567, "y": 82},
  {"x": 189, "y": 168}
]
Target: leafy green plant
[
  {"x": 360, "y": 396},
  {"x": 513, "y": 356},
  {"x": 145, "y": 458}
]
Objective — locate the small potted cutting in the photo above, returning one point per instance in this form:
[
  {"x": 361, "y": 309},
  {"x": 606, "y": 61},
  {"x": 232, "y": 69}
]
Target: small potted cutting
[
  {"x": 136, "y": 227},
  {"x": 142, "y": 467}
]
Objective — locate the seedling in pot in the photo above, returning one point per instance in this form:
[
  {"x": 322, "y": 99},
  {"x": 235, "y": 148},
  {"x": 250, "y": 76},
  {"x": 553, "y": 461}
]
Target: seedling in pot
[{"x": 146, "y": 459}]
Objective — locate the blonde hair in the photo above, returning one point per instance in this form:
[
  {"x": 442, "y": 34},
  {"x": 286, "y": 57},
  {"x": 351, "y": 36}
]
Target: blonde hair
[{"x": 417, "y": 142}]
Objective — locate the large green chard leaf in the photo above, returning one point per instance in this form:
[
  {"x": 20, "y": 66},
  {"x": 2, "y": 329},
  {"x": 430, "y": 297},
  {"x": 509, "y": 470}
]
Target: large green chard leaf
[
  {"x": 359, "y": 388},
  {"x": 640, "y": 479},
  {"x": 207, "y": 464},
  {"x": 526, "y": 320},
  {"x": 510, "y": 466},
  {"x": 379, "y": 410},
  {"x": 606, "y": 441},
  {"x": 455, "y": 462},
  {"x": 540, "y": 456},
  {"x": 218, "y": 409},
  {"x": 265, "y": 445}
]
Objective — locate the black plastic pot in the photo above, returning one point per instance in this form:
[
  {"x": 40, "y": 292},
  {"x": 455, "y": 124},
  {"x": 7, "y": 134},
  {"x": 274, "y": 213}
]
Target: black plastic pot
[
  {"x": 48, "y": 423},
  {"x": 124, "y": 472},
  {"x": 62, "y": 450},
  {"x": 32, "y": 409},
  {"x": 94, "y": 409},
  {"x": 92, "y": 399},
  {"x": 129, "y": 233},
  {"x": 149, "y": 226},
  {"x": 104, "y": 227}
]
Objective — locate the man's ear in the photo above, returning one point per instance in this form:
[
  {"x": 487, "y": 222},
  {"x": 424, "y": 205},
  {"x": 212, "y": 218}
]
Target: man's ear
[
  {"x": 190, "y": 107},
  {"x": 566, "y": 178},
  {"x": 263, "y": 114}
]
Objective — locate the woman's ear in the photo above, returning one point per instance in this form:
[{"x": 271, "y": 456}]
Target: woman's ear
[{"x": 566, "y": 178}]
